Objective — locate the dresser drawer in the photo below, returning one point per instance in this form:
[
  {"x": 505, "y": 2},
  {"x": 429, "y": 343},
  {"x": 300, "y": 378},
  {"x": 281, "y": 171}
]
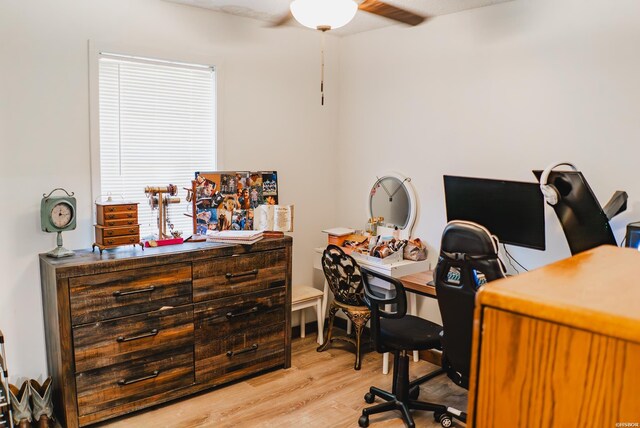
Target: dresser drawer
[
  {"x": 122, "y": 384},
  {"x": 118, "y": 240},
  {"x": 111, "y": 212},
  {"x": 232, "y": 357},
  {"x": 120, "y": 208},
  {"x": 121, "y": 223},
  {"x": 117, "y": 216},
  {"x": 106, "y": 343},
  {"x": 106, "y": 232},
  {"x": 222, "y": 317},
  {"x": 227, "y": 276},
  {"x": 117, "y": 294}
]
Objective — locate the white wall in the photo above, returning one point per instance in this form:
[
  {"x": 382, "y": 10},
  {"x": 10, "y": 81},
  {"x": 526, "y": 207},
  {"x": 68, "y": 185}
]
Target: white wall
[
  {"x": 491, "y": 92},
  {"x": 494, "y": 92},
  {"x": 271, "y": 118}
]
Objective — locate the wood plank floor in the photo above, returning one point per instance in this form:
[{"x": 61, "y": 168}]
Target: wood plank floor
[{"x": 321, "y": 389}]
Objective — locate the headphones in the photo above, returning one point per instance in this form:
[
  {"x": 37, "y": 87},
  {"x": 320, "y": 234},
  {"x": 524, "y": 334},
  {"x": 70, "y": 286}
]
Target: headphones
[{"x": 550, "y": 193}]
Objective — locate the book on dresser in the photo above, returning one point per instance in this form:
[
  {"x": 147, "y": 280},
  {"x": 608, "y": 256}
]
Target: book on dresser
[{"x": 138, "y": 329}]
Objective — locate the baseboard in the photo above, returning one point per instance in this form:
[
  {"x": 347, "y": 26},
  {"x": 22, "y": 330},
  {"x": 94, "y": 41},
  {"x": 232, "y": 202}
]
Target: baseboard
[
  {"x": 312, "y": 327},
  {"x": 433, "y": 356}
]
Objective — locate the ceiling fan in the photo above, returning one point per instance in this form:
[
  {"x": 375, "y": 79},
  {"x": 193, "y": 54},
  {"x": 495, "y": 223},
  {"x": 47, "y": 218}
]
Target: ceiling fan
[{"x": 326, "y": 15}]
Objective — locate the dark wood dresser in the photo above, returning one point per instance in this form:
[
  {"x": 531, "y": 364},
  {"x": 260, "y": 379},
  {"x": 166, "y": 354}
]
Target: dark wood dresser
[{"x": 132, "y": 329}]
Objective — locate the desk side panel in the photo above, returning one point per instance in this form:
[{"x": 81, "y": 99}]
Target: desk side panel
[
  {"x": 532, "y": 372},
  {"x": 476, "y": 350},
  {"x": 57, "y": 325},
  {"x": 287, "y": 306}
]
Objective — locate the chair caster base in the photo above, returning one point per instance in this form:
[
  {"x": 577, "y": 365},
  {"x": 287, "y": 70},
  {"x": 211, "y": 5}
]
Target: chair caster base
[
  {"x": 369, "y": 398},
  {"x": 363, "y": 421},
  {"x": 414, "y": 392},
  {"x": 444, "y": 419}
]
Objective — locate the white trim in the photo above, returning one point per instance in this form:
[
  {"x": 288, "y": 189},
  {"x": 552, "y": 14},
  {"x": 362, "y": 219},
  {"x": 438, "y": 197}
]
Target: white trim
[
  {"x": 146, "y": 60},
  {"x": 413, "y": 209}
]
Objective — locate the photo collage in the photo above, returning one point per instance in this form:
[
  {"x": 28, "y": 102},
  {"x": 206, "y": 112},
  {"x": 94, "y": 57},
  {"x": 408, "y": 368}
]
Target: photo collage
[{"x": 225, "y": 200}]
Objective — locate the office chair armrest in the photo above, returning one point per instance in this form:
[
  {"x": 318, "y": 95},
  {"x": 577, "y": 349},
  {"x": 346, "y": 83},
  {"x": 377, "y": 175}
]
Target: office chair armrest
[
  {"x": 395, "y": 281},
  {"x": 400, "y": 299}
]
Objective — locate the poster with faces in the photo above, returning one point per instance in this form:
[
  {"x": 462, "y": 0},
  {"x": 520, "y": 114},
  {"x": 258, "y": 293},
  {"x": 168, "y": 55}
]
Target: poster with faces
[{"x": 225, "y": 200}]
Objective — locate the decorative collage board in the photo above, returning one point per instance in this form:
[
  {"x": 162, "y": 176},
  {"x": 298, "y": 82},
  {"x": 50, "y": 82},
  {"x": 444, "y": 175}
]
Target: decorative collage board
[{"x": 225, "y": 200}]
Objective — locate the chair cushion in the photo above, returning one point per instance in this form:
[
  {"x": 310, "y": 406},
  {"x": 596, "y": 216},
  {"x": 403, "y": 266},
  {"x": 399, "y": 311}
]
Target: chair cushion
[
  {"x": 409, "y": 333},
  {"x": 300, "y": 293}
]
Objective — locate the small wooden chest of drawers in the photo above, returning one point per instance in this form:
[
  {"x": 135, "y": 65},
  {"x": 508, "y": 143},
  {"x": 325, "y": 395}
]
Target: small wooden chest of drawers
[
  {"x": 117, "y": 224},
  {"x": 138, "y": 329}
]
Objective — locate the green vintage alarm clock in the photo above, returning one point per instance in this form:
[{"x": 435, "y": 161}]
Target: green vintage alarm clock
[{"x": 58, "y": 214}]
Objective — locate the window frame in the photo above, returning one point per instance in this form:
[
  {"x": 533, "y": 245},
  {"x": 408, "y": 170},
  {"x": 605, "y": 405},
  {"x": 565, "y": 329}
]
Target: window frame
[{"x": 95, "y": 48}]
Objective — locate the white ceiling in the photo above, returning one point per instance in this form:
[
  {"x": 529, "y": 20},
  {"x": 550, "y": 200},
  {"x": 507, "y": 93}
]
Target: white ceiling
[{"x": 272, "y": 10}]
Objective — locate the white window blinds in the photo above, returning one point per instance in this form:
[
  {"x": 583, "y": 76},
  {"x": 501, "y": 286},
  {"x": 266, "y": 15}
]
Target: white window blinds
[{"x": 157, "y": 127}]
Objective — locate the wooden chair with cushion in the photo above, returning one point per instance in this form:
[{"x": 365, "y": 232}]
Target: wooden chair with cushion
[
  {"x": 345, "y": 281},
  {"x": 303, "y": 297}
]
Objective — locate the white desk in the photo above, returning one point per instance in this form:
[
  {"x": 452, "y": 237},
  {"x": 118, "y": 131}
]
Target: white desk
[{"x": 394, "y": 270}]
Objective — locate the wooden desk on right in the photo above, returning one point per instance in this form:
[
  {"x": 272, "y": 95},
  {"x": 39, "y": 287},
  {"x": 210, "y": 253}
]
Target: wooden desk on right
[
  {"x": 418, "y": 283},
  {"x": 560, "y": 346}
]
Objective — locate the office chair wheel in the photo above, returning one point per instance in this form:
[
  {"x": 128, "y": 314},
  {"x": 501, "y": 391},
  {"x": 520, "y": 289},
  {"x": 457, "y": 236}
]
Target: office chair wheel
[
  {"x": 363, "y": 421},
  {"x": 445, "y": 421},
  {"x": 369, "y": 398},
  {"x": 414, "y": 392}
]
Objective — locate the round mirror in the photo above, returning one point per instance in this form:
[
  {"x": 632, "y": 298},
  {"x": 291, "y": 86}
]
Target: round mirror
[{"x": 392, "y": 198}]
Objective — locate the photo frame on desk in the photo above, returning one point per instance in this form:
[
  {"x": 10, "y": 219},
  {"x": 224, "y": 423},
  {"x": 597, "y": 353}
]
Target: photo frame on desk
[{"x": 226, "y": 200}]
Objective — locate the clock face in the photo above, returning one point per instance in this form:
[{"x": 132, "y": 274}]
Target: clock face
[{"x": 61, "y": 214}]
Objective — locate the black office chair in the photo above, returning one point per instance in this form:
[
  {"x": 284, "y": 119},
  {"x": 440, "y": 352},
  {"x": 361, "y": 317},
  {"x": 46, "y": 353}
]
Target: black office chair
[
  {"x": 468, "y": 259},
  {"x": 399, "y": 333}
]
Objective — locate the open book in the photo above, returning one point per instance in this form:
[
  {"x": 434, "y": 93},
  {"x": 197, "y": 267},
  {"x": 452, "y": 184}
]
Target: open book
[{"x": 277, "y": 218}]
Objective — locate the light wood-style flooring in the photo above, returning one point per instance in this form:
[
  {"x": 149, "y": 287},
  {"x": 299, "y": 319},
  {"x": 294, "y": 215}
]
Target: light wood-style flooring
[{"x": 321, "y": 389}]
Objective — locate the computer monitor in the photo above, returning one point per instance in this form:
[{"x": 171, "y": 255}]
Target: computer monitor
[
  {"x": 632, "y": 239},
  {"x": 511, "y": 210}
]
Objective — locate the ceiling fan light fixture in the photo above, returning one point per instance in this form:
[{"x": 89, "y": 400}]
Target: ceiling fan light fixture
[{"x": 320, "y": 14}]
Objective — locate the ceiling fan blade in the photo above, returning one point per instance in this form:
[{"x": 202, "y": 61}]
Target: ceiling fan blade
[
  {"x": 282, "y": 20},
  {"x": 392, "y": 12}
]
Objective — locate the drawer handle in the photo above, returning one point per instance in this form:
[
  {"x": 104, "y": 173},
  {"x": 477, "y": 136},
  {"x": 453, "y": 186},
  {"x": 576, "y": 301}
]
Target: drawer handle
[
  {"x": 230, "y": 275},
  {"x": 240, "y": 314},
  {"x": 129, "y": 207},
  {"x": 123, "y": 382},
  {"x": 130, "y": 215},
  {"x": 109, "y": 232},
  {"x": 127, "y": 293},
  {"x": 252, "y": 348},
  {"x": 153, "y": 332}
]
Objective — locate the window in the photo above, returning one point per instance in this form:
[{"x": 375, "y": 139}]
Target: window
[{"x": 157, "y": 127}]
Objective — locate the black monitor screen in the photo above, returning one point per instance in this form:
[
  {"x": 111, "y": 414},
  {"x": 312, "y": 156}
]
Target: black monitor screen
[
  {"x": 633, "y": 236},
  {"x": 511, "y": 210}
]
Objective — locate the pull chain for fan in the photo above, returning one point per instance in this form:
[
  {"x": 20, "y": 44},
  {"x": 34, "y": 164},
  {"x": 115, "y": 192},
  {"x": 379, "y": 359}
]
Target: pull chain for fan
[{"x": 322, "y": 68}]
